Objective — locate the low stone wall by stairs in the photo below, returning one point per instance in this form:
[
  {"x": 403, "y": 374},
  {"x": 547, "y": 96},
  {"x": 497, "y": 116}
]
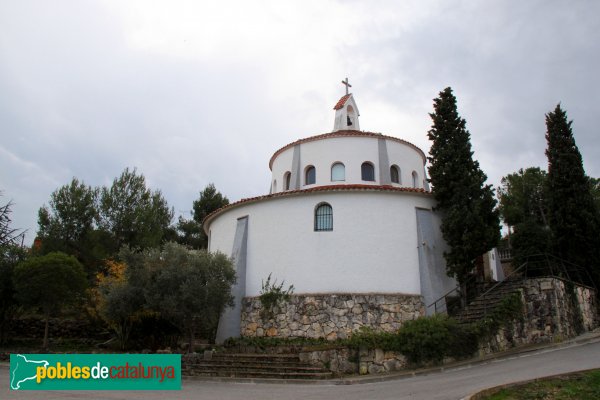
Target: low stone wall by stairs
[
  {"x": 551, "y": 312},
  {"x": 266, "y": 366}
]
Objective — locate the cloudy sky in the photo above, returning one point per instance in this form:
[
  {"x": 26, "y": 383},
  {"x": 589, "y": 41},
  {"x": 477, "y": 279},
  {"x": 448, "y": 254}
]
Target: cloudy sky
[{"x": 193, "y": 92}]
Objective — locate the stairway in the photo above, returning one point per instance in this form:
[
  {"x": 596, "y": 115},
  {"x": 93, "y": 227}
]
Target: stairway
[
  {"x": 486, "y": 303},
  {"x": 268, "y": 366}
]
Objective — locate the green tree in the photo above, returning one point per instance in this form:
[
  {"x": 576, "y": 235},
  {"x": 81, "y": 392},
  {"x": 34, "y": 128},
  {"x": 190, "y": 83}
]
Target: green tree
[
  {"x": 470, "y": 223},
  {"x": 121, "y": 302},
  {"x": 71, "y": 216},
  {"x": 522, "y": 195},
  {"x": 187, "y": 287},
  {"x": 595, "y": 182},
  {"x": 69, "y": 225},
  {"x": 210, "y": 200},
  {"x": 523, "y": 206},
  {"x": 8, "y": 234},
  {"x": 190, "y": 231},
  {"x": 530, "y": 239},
  {"x": 10, "y": 256},
  {"x": 573, "y": 216},
  {"x": 49, "y": 282},
  {"x": 93, "y": 223},
  {"x": 133, "y": 214}
]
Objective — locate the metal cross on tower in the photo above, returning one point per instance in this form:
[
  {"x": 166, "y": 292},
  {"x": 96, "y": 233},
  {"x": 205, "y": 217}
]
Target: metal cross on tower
[{"x": 347, "y": 85}]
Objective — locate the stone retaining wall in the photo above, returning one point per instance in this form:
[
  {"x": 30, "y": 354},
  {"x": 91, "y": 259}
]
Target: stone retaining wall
[
  {"x": 377, "y": 361},
  {"x": 344, "y": 361},
  {"x": 340, "y": 361},
  {"x": 552, "y": 312},
  {"x": 330, "y": 316}
]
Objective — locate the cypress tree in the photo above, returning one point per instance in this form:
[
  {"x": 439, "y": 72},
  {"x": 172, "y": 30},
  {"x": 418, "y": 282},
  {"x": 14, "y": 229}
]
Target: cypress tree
[
  {"x": 573, "y": 216},
  {"x": 470, "y": 223}
]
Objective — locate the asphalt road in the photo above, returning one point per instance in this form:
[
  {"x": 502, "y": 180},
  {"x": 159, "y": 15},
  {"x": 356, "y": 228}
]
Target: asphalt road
[{"x": 451, "y": 384}]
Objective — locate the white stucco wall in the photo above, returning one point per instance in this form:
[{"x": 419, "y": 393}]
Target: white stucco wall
[
  {"x": 372, "y": 248},
  {"x": 409, "y": 160},
  {"x": 352, "y": 151},
  {"x": 349, "y": 109}
]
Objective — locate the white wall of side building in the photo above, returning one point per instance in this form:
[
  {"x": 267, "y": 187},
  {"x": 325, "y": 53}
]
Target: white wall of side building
[{"x": 372, "y": 248}]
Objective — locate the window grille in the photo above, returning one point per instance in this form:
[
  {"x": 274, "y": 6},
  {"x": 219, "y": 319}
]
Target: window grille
[{"x": 323, "y": 218}]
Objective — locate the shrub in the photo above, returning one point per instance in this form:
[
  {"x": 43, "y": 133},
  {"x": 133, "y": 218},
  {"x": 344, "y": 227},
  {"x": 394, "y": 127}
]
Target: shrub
[
  {"x": 272, "y": 295},
  {"x": 368, "y": 338},
  {"x": 151, "y": 331},
  {"x": 434, "y": 338}
]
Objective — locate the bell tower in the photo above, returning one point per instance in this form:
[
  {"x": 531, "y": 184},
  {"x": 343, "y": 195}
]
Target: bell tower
[{"x": 346, "y": 112}]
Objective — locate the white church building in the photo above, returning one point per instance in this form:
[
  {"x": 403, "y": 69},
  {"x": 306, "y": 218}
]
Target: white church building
[{"x": 350, "y": 222}]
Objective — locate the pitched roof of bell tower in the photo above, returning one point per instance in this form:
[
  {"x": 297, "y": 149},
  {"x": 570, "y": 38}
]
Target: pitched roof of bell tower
[{"x": 342, "y": 101}]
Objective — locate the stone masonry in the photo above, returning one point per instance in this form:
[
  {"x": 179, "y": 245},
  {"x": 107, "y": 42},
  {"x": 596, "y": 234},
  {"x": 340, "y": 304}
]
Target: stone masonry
[
  {"x": 329, "y": 316},
  {"x": 552, "y": 312}
]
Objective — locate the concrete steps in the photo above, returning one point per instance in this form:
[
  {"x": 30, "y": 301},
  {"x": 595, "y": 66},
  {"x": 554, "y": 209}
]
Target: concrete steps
[
  {"x": 484, "y": 305},
  {"x": 268, "y": 366}
]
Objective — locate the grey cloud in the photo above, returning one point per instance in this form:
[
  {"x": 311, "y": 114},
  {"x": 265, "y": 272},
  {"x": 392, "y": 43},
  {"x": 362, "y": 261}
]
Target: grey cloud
[{"x": 78, "y": 99}]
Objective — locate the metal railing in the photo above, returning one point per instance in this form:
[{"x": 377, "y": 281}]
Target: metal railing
[
  {"x": 476, "y": 288},
  {"x": 535, "y": 266}
]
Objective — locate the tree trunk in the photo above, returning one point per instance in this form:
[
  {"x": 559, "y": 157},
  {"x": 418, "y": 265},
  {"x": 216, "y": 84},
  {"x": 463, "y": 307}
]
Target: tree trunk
[
  {"x": 2, "y": 327},
  {"x": 45, "y": 344},
  {"x": 463, "y": 295},
  {"x": 123, "y": 329},
  {"x": 191, "y": 337}
]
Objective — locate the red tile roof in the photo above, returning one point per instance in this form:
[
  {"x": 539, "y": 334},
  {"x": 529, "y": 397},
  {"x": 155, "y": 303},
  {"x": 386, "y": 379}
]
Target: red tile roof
[
  {"x": 326, "y": 188},
  {"x": 343, "y": 134},
  {"x": 342, "y": 101}
]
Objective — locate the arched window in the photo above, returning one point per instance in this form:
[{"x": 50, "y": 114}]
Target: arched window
[
  {"x": 338, "y": 172},
  {"x": 415, "y": 179},
  {"x": 367, "y": 171},
  {"x": 310, "y": 175},
  {"x": 274, "y": 185},
  {"x": 323, "y": 217},
  {"x": 286, "y": 180},
  {"x": 395, "y": 174}
]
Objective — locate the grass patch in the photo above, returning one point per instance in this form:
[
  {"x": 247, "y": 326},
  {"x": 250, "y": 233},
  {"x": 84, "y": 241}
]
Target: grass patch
[{"x": 577, "y": 386}]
